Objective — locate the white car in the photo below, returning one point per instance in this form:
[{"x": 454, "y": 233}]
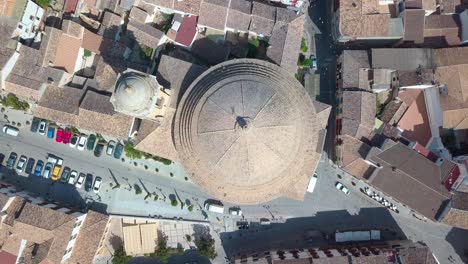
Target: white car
[
  {"x": 341, "y": 187},
  {"x": 82, "y": 142},
  {"x": 73, "y": 176},
  {"x": 110, "y": 147},
  {"x": 73, "y": 141},
  {"x": 97, "y": 184},
  {"x": 235, "y": 211},
  {"x": 21, "y": 163},
  {"x": 79, "y": 182},
  {"x": 42, "y": 127}
]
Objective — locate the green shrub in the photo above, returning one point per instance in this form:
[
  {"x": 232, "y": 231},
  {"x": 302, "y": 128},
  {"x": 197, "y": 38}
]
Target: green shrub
[
  {"x": 304, "y": 47},
  {"x": 137, "y": 189},
  {"x": 190, "y": 208},
  {"x": 131, "y": 152},
  {"x": 13, "y": 102},
  {"x": 174, "y": 202},
  {"x": 206, "y": 247},
  {"x": 87, "y": 53},
  {"x": 43, "y": 3}
]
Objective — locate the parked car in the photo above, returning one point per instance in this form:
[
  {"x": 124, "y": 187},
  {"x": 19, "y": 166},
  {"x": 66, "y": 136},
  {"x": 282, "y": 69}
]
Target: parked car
[
  {"x": 98, "y": 149},
  {"x": 57, "y": 169},
  {"x": 313, "y": 60},
  {"x": 97, "y": 184},
  {"x": 42, "y": 127},
  {"x": 341, "y": 187},
  {"x": 35, "y": 124},
  {"x": 73, "y": 141},
  {"x": 21, "y": 164},
  {"x": 67, "y": 134},
  {"x": 73, "y": 176},
  {"x": 91, "y": 142},
  {"x": 2, "y": 157},
  {"x": 118, "y": 151},
  {"x": 29, "y": 166},
  {"x": 88, "y": 182},
  {"x": 38, "y": 169},
  {"x": 48, "y": 170},
  {"x": 65, "y": 175},
  {"x": 59, "y": 136},
  {"x": 50, "y": 132},
  {"x": 11, "y": 160},
  {"x": 80, "y": 180},
  {"x": 235, "y": 211},
  {"x": 11, "y": 130},
  {"x": 110, "y": 147},
  {"x": 82, "y": 142}
]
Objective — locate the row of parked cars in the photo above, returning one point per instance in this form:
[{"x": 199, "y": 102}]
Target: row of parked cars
[
  {"x": 380, "y": 199},
  {"x": 78, "y": 141},
  {"x": 52, "y": 169}
]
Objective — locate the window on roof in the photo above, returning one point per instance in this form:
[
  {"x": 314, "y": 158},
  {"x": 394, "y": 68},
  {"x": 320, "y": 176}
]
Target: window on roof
[
  {"x": 38, "y": 18},
  {"x": 31, "y": 17}
]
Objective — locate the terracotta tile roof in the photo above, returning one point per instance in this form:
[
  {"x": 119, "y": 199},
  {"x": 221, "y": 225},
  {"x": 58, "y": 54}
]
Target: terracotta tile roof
[
  {"x": 138, "y": 14},
  {"x": 89, "y": 238},
  {"x": 361, "y": 19},
  {"x": 352, "y": 149},
  {"x": 70, "y": 6},
  {"x": 188, "y": 6},
  {"x": 416, "y": 4},
  {"x": 177, "y": 75},
  {"x": 64, "y": 99},
  {"x": 451, "y": 56},
  {"x": 162, "y": 3},
  {"x": 7, "y": 258},
  {"x": 239, "y": 15},
  {"x": 455, "y": 79},
  {"x": 442, "y": 30},
  {"x": 359, "y": 106},
  {"x": 415, "y": 121},
  {"x": 456, "y": 119},
  {"x": 160, "y": 142},
  {"x": 49, "y": 44},
  {"x": 106, "y": 74},
  {"x": 449, "y": 6},
  {"x": 412, "y": 179},
  {"x": 352, "y": 61},
  {"x": 263, "y": 18},
  {"x": 285, "y": 42},
  {"x": 144, "y": 33},
  {"x": 210, "y": 7},
  {"x": 413, "y": 20},
  {"x": 413, "y": 255},
  {"x": 187, "y": 30},
  {"x": 92, "y": 41},
  {"x": 72, "y": 28},
  {"x": 110, "y": 25},
  {"x": 67, "y": 53}
]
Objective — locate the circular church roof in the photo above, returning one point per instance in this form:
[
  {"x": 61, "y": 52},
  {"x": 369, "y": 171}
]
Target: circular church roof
[
  {"x": 134, "y": 94},
  {"x": 246, "y": 131}
]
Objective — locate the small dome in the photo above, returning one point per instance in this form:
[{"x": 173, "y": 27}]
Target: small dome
[{"x": 134, "y": 94}]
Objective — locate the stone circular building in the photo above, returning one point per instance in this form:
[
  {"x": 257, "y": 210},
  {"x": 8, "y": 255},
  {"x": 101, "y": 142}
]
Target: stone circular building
[
  {"x": 247, "y": 132},
  {"x": 135, "y": 94}
]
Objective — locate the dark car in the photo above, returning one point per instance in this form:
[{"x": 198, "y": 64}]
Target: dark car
[
  {"x": 91, "y": 142},
  {"x": 118, "y": 151},
  {"x": 29, "y": 166},
  {"x": 38, "y": 169},
  {"x": 88, "y": 182},
  {"x": 11, "y": 160},
  {"x": 35, "y": 124},
  {"x": 2, "y": 157},
  {"x": 98, "y": 150},
  {"x": 65, "y": 175}
]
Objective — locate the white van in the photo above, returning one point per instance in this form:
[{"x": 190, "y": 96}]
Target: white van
[
  {"x": 215, "y": 208},
  {"x": 313, "y": 181},
  {"x": 10, "y": 130}
]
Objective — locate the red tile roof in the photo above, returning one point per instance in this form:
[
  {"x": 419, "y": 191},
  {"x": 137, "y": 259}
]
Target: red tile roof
[
  {"x": 7, "y": 258},
  {"x": 415, "y": 121},
  {"x": 187, "y": 30},
  {"x": 91, "y": 41},
  {"x": 70, "y": 6}
]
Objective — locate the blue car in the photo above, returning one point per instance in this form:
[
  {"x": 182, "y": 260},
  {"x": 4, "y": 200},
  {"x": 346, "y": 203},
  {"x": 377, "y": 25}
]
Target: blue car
[
  {"x": 50, "y": 132},
  {"x": 38, "y": 169}
]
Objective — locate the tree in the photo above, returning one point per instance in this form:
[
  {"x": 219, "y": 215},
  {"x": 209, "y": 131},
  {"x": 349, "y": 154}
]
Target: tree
[
  {"x": 131, "y": 152},
  {"x": 120, "y": 256},
  {"x": 206, "y": 247},
  {"x": 190, "y": 208},
  {"x": 304, "y": 47},
  {"x": 14, "y": 103},
  {"x": 174, "y": 202},
  {"x": 163, "y": 252}
]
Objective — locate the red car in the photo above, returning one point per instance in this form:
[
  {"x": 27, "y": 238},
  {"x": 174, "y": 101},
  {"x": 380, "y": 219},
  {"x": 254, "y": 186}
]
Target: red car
[
  {"x": 59, "y": 136},
  {"x": 67, "y": 135}
]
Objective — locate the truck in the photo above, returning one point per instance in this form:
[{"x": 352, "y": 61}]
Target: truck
[
  {"x": 214, "y": 206},
  {"x": 57, "y": 162},
  {"x": 312, "y": 182}
]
